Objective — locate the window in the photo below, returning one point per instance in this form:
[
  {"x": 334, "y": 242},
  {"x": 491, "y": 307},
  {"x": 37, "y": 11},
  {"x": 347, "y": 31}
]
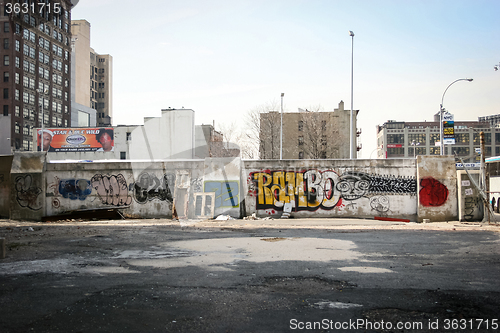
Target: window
[
  {"x": 123, "y": 155},
  {"x": 6, "y": 93},
  {"x": 323, "y": 125},
  {"x": 323, "y": 141},
  {"x": 435, "y": 150},
  {"x": 301, "y": 140},
  {"x": 6, "y": 61},
  {"x": 17, "y": 111},
  {"x": 301, "y": 126},
  {"x": 301, "y": 155},
  {"x": 6, "y": 76},
  {"x": 129, "y": 136},
  {"x": 418, "y": 138},
  {"x": 5, "y": 110},
  {"x": 6, "y": 27},
  {"x": 395, "y": 138},
  {"x": 461, "y": 151},
  {"x": 395, "y": 151},
  {"x": 6, "y": 43},
  {"x": 323, "y": 154}
]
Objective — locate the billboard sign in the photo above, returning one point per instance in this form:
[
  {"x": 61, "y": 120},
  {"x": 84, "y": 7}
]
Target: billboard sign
[
  {"x": 76, "y": 139},
  {"x": 448, "y": 129}
]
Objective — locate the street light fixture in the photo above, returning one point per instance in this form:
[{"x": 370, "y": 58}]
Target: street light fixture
[
  {"x": 281, "y": 129},
  {"x": 441, "y": 110},
  {"x": 351, "y": 132}
]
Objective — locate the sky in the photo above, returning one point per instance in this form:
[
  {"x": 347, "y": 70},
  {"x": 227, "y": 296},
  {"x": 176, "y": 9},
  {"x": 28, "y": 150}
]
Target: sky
[{"x": 223, "y": 58}]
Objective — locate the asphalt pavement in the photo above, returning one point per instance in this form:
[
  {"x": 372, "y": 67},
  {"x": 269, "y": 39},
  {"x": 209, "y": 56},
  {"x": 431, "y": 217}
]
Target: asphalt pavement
[{"x": 285, "y": 275}]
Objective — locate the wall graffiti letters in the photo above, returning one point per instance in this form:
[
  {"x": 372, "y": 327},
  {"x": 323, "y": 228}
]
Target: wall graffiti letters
[
  {"x": 314, "y": 189},
  {"x": 112, "y": 190},
  {"x": 473, "y": 209},
  {"x": 149, "y": 187},
  {"x": 433, "y": 192},
  {"x": 391, "y": 184},
  {"x": 75, "y": 189},
  {"x": 226, "y": 193},
  {"x": 27, "y": 192}
]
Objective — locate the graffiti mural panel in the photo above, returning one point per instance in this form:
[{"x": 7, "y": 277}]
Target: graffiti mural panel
[
  {"x": 149, "y": 187},
  {"x": 112, "y": 190},
  {"x": 75, "y": 189},
  {"x": 27, "y": 192},
  {"x": 226, "y": 193},
  {"x": 311, "y": 190},
  {"x": 433, "y": 193}
]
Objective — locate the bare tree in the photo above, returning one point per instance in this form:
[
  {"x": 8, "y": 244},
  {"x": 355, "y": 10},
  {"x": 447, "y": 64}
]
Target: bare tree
[
  {"x": 263, "y": 130},
  {"x": 320, "y": 133}
]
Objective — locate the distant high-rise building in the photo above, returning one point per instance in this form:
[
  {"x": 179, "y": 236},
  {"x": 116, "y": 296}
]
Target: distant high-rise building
[
  {"x": 36, "y": 66},
  {"x": 93, "y": 84}
]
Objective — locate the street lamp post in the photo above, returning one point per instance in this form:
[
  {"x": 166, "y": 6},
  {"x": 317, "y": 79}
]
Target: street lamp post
[
  {"x": 351, "y": 132},
  {"x": 414, "y": 144},
  {"x": 441, "y": 110},
  {"x": 281, "y": 128}
]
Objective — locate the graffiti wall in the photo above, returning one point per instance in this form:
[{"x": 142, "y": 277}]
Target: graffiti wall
[
  {"x": 410, "y": 189},
  {"x": 142, "y": 190},
  {"x": 330, "y": 188}
]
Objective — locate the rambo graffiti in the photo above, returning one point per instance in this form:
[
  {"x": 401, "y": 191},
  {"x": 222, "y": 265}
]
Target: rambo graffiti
[{"x": 314, "y": 189}]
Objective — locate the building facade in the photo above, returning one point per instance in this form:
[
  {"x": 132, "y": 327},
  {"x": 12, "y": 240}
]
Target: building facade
[
  {"x": 307, "y": 134},
  {"x": 93, "y": 78},
  {"x": 400, "y": 139},
  {"x": 36, "y": 62}
]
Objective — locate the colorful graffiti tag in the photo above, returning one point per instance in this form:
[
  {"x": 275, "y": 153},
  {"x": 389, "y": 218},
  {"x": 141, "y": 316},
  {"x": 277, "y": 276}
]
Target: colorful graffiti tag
[
  {"x": 226, "y": 193},
  {"x": 75, "y": 189},
  {"x": 314, "y": 189},
  {"x": 112, "y": 190},
  {"x": 433, "y": 192}
]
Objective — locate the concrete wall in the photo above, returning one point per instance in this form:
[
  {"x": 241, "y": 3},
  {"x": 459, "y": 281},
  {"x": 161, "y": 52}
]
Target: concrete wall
[
  {"x": 332, "y": 188},
  {"x": 27, "y": 186},
  {"x": 5, "y": 166},
  {"x": 411, "y": 189},
  {"x": 437, "y": 195},
  {"x": 143, "y": 190}
]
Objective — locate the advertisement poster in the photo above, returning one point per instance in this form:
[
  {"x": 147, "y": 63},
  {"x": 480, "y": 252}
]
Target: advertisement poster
[
  {"x": 76, "y": 139},
  {"x": 448, "y": 129}
]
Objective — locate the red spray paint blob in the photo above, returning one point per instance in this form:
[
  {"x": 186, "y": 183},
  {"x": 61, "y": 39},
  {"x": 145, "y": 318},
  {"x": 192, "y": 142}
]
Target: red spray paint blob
[{"x": 433, "y": 192}]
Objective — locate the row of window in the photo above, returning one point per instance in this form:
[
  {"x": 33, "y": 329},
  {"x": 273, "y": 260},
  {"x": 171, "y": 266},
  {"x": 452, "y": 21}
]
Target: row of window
[
  {"x": 460, "y": 151},
  {"x": 301, "y": 125},
  {"x": 460, "y": 138}
]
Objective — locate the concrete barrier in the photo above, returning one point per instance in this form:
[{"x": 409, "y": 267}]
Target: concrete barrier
[{"x": 3, "y": 249}]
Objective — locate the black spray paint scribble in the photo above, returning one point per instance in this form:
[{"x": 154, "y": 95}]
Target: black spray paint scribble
[
  {"x": 149, "y": 187},
  {"x": 380, "y": 203},
  {"x": 392, "y": 184},
  {"x": 27, "y": 192}
]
